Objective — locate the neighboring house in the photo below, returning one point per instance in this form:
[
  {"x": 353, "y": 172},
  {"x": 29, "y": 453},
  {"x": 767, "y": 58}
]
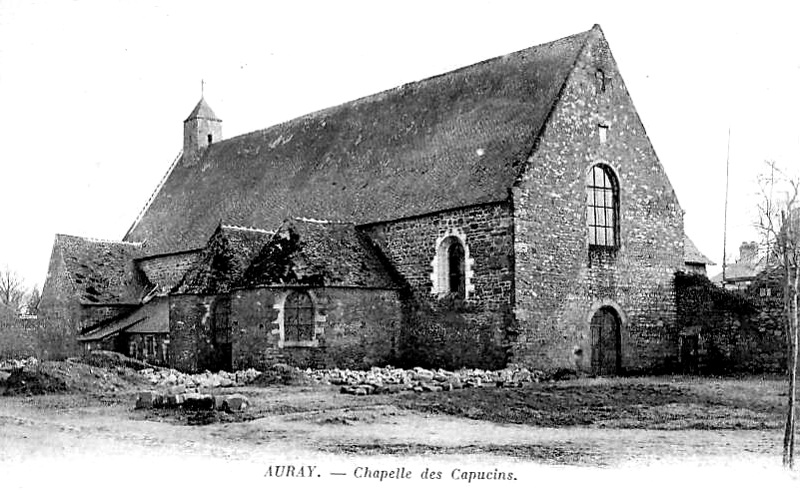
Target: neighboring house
[
  {"x": 693, "y": 260},
  {"x": 740, "y": 274},
  {"x": 509, "y": 211}
]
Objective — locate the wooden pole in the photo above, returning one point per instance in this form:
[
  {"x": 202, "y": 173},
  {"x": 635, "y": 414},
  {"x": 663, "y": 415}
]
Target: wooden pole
[{"x": 725, "y": 221}]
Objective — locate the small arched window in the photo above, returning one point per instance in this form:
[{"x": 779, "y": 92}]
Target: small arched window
[
  {"x": 450, "y": 267},
  {"x": 602, "y": 210},
  {"x": 455, "y": 267},
  {"x": 298, "y": 317}
]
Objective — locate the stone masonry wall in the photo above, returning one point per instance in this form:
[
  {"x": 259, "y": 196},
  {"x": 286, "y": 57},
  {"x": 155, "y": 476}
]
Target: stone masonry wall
[
  {"x": 191, "y": 331},
  {"x": 737, "y": 331},
  {"x": 762, "y": 343},
  {"x": 168, "y": 270},
  {"x": 59, "y": 302},
  {"x": 441, "y": 330},
  {"x": 355, "y": 328},
  {"x": 560, "y": 282}
]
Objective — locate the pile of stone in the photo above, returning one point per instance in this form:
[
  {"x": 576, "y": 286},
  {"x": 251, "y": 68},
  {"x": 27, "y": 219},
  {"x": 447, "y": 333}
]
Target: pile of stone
[
  {"x": 391, "y": 380},
  {"x": 15, "y": 364},
  {"x": 374, "y": 381},
  {"x": 170, "y": 377},
  {"x": 234, "y": 403}
]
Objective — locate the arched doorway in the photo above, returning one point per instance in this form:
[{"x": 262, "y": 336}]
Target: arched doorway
[{"x": 606, "y": 342}]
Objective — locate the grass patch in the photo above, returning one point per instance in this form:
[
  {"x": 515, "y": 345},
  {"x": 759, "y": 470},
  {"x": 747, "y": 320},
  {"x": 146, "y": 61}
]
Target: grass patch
[{"x": 636, "y": 403}]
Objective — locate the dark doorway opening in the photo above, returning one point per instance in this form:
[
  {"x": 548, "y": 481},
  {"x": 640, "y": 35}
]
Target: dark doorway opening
[
  {"x": 223, "y": 348},
  {"x": 606, "y": 342}
]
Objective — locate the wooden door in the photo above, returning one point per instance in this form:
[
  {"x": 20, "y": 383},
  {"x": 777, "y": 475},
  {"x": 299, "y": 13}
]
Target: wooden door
[{"x": 606, "y": 357}]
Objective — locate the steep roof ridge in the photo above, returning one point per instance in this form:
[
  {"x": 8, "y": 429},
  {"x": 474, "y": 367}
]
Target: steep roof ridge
[
  {"x": 154, "y": 193},
  {"x": 538, "y": 137},
  {"x": 385, "y": 93},
  {"x": 245, "y": 228},
  {"x": 100, "y": 240},
  {"x": 322, "y": 221}
]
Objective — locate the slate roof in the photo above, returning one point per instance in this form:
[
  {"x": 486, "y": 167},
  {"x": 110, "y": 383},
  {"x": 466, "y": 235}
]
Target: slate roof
[
  {"x": 223, "y": 261},
  {"x": 307, "y": 252},
  {"x": 457, "y": 139},
  {"x": 202, "y": 110},
  {"x": 152, "y": 317},
  {"x": 740, "y": 271},
  {"x": 102, "y": 272},
  {"x": 693, "y": 255}
]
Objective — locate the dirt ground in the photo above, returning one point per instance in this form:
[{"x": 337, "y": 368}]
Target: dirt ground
[{"x": 586, "y": 429}]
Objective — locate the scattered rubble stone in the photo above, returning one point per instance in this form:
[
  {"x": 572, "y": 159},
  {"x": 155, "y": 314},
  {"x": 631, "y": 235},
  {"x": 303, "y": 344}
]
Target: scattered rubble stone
[
  {"x": 145, "y": 399},
  {"x": 12, "y": 364},
  {"x": 198, "y": 401},
  {"x": 377, "y": 380},
  {"x": 235, "y": 403}
]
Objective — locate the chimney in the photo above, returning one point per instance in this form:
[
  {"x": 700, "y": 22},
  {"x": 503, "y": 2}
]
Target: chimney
[{"x": 748, "y": 252}]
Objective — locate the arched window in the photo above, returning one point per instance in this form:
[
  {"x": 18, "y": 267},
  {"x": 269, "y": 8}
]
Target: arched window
[
  {"x": 298, "y": 316},
  {"x": 450, "y": 267},
  {"x": 455, "y": 267},
  {"x": 602, "y": 207}
]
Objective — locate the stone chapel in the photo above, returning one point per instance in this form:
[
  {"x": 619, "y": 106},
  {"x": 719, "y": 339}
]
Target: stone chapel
[{"x": 511, "y": 211}]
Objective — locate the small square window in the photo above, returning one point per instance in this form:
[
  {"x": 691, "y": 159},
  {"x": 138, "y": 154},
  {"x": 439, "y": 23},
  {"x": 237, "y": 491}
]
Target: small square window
[{"x": 603, "y": 132}]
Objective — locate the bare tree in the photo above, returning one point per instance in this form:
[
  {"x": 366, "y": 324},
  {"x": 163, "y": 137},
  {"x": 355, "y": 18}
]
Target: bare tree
[
  {"x": 11, "y": 290},
  {"x": 32, "y": 301},
  {"x": 779, "y": 221}
]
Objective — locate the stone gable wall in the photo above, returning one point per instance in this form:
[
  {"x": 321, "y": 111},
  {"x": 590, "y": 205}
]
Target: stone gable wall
[
  {"x": 59, "y": 302},
  {"x": 168, "y": 270},
  {"x": 440, "y": 330},
  {"x": 560, "y": 283}
]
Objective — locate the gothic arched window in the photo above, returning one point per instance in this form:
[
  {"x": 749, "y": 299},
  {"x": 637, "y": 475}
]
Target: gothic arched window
[
  {"x": 298, "y": 317},
  {"x": 602, "y": 207}
]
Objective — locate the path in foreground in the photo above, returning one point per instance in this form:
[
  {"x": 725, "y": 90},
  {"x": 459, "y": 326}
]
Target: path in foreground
[{"x": 48, "y": 442}]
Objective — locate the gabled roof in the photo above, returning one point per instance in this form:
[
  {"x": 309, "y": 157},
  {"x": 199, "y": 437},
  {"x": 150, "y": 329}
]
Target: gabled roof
[
  {"x": 102, "y": 272},
  {"x": 318, "y": 253},
  {"x": 202, "y": 111},
  {"x": 223, "y": 261},
  {"x": 741, "y": 271},
  {"x": 454, "y": 140},
  {"x": 152, "y": 317},
  {"x": 693, "y": 255}
]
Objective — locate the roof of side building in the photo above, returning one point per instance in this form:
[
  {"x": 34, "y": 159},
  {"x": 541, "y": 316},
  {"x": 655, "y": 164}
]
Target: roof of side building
[{"x": 102, "y": 272}]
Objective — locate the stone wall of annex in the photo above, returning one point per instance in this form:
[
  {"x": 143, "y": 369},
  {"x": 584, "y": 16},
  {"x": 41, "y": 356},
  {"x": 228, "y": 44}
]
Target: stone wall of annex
[
  {"x": 191, "y": 335},
  {"x": 443, "y": 330},
  {"x": 355, "y": 328}
]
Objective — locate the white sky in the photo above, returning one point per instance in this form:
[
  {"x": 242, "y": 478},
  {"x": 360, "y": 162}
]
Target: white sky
[{"x": 93, "y": 94}]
